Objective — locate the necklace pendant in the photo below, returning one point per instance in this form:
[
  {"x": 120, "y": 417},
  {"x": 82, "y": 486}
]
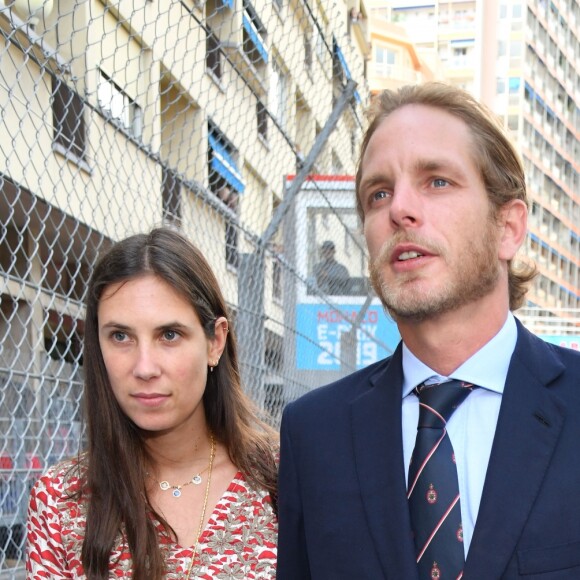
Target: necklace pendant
[
  {"x": 196, "y": 479},
  {"x": 164, "y": 485},
  {"x": 176, "y": 493}
]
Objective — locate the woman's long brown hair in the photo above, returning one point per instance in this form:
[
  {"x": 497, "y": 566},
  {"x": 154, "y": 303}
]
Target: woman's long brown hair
[{"x": 113, "y": 468}]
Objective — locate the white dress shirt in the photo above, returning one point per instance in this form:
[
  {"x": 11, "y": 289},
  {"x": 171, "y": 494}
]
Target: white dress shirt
[{"x": 472, "y": 427}]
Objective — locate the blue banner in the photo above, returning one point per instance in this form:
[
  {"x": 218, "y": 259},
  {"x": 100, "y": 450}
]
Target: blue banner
[
  {"x": 253, "y": 33},
  {"x": 346, "y": 70},
  {"x": 568, "y": 341},
  {"x": 320, "y": 327},
  {"x": 342, "y": 61},
  {"x": 223, "y": 164}
]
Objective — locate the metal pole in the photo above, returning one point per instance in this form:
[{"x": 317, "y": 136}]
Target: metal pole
[
  {"x": 341, "y": 103},
  {"x": 251, "y": 269}
]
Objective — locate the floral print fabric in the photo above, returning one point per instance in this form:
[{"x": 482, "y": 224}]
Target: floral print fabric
[{"x": 238, "y": 543}]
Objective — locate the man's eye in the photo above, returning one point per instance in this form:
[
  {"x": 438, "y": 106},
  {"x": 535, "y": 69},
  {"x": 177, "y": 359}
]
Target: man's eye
[
  {"x": 440, "y": 182},
  {"x": 380, "y": 195}
]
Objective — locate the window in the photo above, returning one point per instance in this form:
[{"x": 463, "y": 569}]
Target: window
[
  {"x": 223, "y": 168},
  {"x": 262, "y": 118},
  {"x": 277, "y": 96},
  {"x": 254, "y": 37},
  {"x": 226, "y": 182},
  {"x": 68, "y": 119},
  {"x": 276, "y": 279},
  {"x": 277, "y": 252},
  {"x": 385, "y": 55},
  {"x": 337, "y": 168},
  {"x": 515, "y": 48},
  {"x": 385, "y": 58},
  {"x": 213, "y": 55},
  {"x": 513, "y": 122},
  {"x": 274, "y": 401},
  {"x": 171, "y": 195},
  {"x": 319, "y": 44},
  {"x": 62, "y": 339},
  {"x": 514, "y": 84},
  {"x": 118, "y": 107},
  {"x": 308, "y": 50},
  {"x": 232, "y": 255}
]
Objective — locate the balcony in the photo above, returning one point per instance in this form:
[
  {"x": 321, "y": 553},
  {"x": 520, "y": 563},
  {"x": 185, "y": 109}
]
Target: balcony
[
  {"x": 458, "y": 62},
  {"x": 254, "y": 74},
  {"x": 359, "y": 25},
  {"x": 398, "y": 73}
]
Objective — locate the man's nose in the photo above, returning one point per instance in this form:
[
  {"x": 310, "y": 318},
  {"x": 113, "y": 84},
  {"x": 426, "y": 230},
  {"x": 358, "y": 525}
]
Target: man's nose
[{"x": 406, "y": 206}]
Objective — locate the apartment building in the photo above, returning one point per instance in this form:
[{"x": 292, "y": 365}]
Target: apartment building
[
  {"x": 121, "y": 115},
  {"x": 395, "y": 60},
  {"x": 522, "y": 59},
  {"x": 548, "y": 128}
]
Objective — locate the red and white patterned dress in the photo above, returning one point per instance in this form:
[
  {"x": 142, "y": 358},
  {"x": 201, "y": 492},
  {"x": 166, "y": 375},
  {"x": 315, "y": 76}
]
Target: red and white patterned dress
[{"x": 238, "y": 543}]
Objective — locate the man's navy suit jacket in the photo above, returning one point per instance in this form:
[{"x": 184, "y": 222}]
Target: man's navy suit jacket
[{"x": 342, "y": 497}]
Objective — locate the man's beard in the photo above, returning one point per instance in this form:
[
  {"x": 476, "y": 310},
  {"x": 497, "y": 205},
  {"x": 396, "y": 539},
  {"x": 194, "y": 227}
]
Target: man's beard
[{"x": 473, "y": 275}]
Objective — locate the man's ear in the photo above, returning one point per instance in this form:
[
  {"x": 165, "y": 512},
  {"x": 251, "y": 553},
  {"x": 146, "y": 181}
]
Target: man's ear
[{"x": 513, "y": 224}]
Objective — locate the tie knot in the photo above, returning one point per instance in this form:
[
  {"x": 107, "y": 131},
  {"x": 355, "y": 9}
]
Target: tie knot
[{"x": 438, "y": 402}]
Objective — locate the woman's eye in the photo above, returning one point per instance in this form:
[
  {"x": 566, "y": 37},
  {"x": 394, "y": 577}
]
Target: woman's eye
[
  {"x": 119, "y": 336},
  {"x": 170, "y": 335}
]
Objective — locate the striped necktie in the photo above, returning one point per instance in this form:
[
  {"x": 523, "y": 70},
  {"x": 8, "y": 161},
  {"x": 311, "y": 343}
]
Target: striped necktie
[{"x": 433, "y": 488}]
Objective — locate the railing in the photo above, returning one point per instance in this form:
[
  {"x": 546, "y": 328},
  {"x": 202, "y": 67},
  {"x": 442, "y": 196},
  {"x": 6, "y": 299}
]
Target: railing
[{"x": 400, "y": 73}]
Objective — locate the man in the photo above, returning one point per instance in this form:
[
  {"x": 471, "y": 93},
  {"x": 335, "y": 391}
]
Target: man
[
  {"x": 441, "y": 195},
  {"x": 331, "y": 276}
]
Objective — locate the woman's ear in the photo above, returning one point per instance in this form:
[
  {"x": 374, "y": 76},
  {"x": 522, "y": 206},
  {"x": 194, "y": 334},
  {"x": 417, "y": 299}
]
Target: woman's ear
[{"x": 217, "y": 343}]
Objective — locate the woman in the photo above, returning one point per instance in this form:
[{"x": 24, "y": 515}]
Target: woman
[{"x": 179, "y": 473}]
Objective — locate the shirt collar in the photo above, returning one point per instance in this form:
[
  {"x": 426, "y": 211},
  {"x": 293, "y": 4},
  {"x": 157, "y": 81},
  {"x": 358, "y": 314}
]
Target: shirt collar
[{"x": 487, "y": 368}]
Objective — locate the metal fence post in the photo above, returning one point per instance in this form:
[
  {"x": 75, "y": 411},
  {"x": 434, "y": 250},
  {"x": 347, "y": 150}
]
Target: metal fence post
[{"x": 250, "y": 323}]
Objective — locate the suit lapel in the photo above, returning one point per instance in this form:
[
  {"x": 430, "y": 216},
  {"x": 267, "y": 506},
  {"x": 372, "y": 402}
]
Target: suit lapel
[
  {"x": 529, "y": 424},
  {"x": 378, "y": 452}
]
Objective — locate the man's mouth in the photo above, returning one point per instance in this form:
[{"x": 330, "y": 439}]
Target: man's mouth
[{"x": 408, "y": 256}]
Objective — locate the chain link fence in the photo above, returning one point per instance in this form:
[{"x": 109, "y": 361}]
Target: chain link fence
[{"x": 234, "y": 121}]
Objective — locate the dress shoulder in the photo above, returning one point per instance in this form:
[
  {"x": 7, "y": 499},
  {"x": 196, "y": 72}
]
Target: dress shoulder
[
  {"x": 59, "y": 485},
  {"x": 56, "y": 522}
]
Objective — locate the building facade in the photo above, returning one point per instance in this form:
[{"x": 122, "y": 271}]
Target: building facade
[
  {"x": 121, "y": 115},
  {"x": 522, "y": 59},
  {"x": 395, "y": 60}
]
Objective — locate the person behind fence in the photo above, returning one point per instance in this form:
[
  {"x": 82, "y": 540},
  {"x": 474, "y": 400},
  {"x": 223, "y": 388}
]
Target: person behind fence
[
  {"x": 331, "y": 276},
  {"x": 179, "y": 476},
  {"x": 457, "y": 456}
]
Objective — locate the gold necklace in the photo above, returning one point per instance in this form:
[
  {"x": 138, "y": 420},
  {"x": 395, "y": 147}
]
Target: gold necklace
[
  {"x": 165, "y": 485},
  {"x": 202, "y": 518}
]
